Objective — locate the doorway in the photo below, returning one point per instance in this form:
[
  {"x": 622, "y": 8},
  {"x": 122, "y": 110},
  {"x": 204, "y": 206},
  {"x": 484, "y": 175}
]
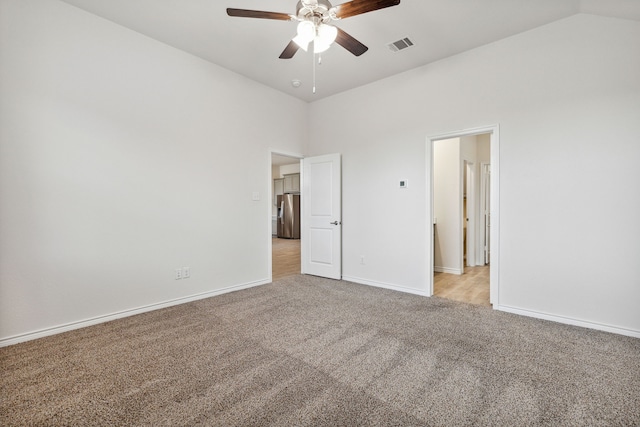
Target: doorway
[
  {"x": 284, "y": 252},
  {"x": 320, "y": 240},
  {"x": 464, "y": 206}
]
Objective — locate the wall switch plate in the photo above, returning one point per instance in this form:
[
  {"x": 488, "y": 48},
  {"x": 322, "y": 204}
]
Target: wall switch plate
[
  {"x": 255, "y": 196},
  {"x": 186, "y": 272},
  {"x": 178, "y": 273},
  {"x": 404, "y": 183},
  {"x": 362, "y": 259}
]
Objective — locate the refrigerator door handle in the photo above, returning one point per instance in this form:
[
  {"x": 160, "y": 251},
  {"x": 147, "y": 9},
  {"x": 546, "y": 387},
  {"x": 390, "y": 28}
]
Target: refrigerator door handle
[{"x": 282, "y": 212}]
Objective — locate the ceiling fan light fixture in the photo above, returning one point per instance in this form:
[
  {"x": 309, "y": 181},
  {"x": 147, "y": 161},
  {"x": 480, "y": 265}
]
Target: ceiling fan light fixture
[
  {"x": 303, "y": 44},
  {"x": 319, "y": 46},
  {"x": 312, "y": 15},
  {"x": 326, "y": 35},
  {"x": 306, "y": 32}
]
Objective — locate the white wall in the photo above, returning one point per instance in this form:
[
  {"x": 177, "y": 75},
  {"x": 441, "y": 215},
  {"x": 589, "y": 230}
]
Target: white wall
[
  {"x": 275, "y": 173},
  {"x": 447, "y": 206},
  {"x": 121, "y": 159},
  {"x": 483, "y": 148},
  {"x": 567, "y": 99}
]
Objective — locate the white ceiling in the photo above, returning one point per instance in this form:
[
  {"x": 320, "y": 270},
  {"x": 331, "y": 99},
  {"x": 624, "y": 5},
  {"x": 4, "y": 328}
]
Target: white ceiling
[{"x": 438, "y": 29}]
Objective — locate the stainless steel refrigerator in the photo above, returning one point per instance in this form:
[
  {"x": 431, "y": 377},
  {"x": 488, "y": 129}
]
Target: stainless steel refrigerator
[{"x": 289, "y": 216}]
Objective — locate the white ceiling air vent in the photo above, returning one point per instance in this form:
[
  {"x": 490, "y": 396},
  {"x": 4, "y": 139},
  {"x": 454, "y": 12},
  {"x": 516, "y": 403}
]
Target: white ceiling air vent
[{"x": 400, "y": 44}]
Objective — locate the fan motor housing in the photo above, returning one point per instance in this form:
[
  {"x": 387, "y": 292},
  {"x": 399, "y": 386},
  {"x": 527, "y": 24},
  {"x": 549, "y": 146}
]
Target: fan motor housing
[{"x": 318, "y": 9}]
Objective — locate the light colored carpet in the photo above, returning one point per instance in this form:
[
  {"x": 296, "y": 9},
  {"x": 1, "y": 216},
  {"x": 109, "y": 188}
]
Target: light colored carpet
[{"x": 310, "y": 351}]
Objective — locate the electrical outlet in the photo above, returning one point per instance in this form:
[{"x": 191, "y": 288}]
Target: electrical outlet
[
  {"x": 186, "y": 272},
  {"x": 362, "y": 259},
  {"x": 178, "y": 273}
]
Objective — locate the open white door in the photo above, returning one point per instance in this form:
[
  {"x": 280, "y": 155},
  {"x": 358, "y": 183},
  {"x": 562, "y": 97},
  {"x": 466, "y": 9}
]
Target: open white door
[{"x": 322, "y": 216}]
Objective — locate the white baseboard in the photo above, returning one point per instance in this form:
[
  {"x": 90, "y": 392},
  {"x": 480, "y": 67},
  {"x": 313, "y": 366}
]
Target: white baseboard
[
  {"x": 4, "y": 342},
  {"x": 448, "y": 270},
  {"x": 570, "y": 321},
  {"x": 386, "y": 286},
  {"x": 514, "y": 310}
]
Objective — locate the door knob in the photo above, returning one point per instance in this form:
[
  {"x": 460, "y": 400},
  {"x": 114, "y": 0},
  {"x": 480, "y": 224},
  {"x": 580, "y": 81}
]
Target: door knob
[{"x": 335, "y": 223}]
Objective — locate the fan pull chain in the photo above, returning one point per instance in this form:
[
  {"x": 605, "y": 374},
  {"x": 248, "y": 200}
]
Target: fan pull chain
[
  {"x": 314, "y": 69},
  {"x": 314, "y": 73}
]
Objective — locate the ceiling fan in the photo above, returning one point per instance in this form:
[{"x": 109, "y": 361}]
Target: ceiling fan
[{"x": 313, "y": 17}]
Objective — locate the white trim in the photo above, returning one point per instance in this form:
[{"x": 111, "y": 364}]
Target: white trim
[
  {"x": 438, "y": 269},
  {"x": 495, "y": 203},
  {"x": 430, "y": 226},
  {"x": 385, "y": 286},
  {"x": 463, "y": 132},
  {"x": 278, "y": 152},
  {"x": 4, "y": 342},
  {"x": 494, "y": 215},
  {"x": 570, "y": 321}
]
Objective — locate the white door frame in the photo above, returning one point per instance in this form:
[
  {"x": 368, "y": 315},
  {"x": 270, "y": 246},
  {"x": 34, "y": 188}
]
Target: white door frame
[
  {"x": 298, "y": 156},
  {"x": 495, "y": 204}
]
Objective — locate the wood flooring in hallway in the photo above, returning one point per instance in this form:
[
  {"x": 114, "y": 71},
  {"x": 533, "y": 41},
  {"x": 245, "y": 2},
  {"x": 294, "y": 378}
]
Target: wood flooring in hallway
[
  {"x": 286, "y": 257},
  {"x": 471, "y": 287}
]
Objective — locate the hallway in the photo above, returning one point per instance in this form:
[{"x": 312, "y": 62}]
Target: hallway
[
  {"x": 471, "y": 287},
  {"x": 286, "y": 257}
]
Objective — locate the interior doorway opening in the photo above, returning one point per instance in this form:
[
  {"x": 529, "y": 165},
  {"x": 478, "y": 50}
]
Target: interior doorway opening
[
  {"x": 463, "y": 198},
  {"x": 284, "y": 215}
]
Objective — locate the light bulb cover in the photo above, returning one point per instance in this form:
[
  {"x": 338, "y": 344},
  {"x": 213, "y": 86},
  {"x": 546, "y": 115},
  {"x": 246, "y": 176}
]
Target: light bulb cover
[
  {"x": 303, "y": 44},
  {"x": 319, "y": 46},
  {"x": 326, "y": 35},
  {"x": 306, "y": 31}
]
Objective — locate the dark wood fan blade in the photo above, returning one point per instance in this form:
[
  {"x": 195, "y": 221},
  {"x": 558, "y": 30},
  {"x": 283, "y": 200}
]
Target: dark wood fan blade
[
  {"x": 290, "y": 50},
  {"x": 357, "y": 7},
  {"x": 349, "y": 43},
  {"x": 244, "y": 13}
]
